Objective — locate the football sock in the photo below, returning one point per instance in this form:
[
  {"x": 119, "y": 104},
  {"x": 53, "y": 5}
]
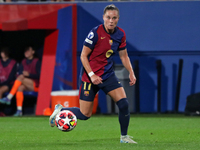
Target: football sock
[
  {"x": 9, "y": 96},
  {"x": 15, "y": 86},
  {"x": 19, "y": 100},
  {"x": 124, "y": 115},
  {"x": 77, "y": 112}
]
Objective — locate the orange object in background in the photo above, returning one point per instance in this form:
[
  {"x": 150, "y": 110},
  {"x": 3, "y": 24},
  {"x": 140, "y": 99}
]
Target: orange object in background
[
  {"x": 69, "y": 98},
  {"x": 47, "y": 112},
  {"x": 95, "y": 104}
]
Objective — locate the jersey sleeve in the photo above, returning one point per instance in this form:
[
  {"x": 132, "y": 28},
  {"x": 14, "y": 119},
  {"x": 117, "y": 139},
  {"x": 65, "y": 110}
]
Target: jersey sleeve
[
  {"x": 122, "y": 46},
  {"x": 91, "y": 39}
]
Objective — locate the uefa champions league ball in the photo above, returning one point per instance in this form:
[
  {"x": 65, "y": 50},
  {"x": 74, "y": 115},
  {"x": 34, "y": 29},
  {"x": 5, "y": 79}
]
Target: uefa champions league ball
[{"x": 66, "y": 120}]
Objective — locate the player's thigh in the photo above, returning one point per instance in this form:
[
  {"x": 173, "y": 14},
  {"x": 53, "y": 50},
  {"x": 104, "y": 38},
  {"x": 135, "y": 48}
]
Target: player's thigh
[
  {"x": 3, "y": 89},
  {"x": 113, "y": 88},
  {"x": 22, "y": 88},
  {"x": 87, "y": 92},
  {"x": 28, "y": 83},
  {"x": 117, "y": 94},
  {"x": 20, "y": 77}
]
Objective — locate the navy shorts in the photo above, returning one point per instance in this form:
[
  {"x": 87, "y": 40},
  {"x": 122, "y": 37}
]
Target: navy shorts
[{"x": 87, "y": 91}]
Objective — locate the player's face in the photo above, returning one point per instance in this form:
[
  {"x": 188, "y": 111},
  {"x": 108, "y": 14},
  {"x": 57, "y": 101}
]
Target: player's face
[
  {"x": 3, "y": 56},
  {"x": 111, "y": 18},
  {"x": 29, "y": 53}
]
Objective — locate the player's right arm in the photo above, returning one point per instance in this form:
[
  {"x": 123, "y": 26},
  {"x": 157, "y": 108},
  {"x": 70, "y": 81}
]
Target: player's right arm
[{"x": 84, "y": 59}]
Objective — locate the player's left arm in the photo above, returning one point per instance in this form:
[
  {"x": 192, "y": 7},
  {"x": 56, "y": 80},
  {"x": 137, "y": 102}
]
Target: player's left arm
[{"x": 127, "y": 64}]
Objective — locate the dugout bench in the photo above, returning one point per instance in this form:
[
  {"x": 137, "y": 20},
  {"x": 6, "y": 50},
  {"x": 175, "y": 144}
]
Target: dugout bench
[{"x": 29, "y": 104}]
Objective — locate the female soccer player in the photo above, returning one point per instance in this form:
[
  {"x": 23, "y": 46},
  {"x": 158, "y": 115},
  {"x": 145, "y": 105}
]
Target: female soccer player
[
  {"x": 99, "y": 47},
  {"x": 28, "y": 79},
  {"x": 8, "y": 70}
]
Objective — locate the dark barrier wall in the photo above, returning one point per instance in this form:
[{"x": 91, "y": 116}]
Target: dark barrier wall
[{"x": 166, "y": 31}]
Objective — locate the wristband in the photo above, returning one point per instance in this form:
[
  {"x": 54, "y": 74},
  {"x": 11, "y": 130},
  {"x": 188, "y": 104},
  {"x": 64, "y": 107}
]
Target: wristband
[{"x": 91, "y": 74}]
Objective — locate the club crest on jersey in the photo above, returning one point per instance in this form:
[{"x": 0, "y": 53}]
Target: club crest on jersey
[
  {"x": 86, "y": 93},
  {"x": 110, "y": 42}
]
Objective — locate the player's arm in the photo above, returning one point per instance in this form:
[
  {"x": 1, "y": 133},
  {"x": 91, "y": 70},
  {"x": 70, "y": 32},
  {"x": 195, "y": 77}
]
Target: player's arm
[
  {"x": 127, "y": 64},
  {"x": 84, "y": 59}
]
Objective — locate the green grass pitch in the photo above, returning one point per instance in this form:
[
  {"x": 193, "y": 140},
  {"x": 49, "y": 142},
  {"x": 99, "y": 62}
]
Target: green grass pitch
[{"x": 101, "y": 132}]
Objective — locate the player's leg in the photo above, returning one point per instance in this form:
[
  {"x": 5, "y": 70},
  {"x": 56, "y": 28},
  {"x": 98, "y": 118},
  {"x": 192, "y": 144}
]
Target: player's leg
[
  {"x": 82, "y": 113},
  {"x": 114, "y": 89},
  {"x": 87, "y": 93},
  {"x": 3, "y": 89},
  {"x": 19, "y": 100},
  {"x": 119, "y": 96},
  {"x": 17, "y": 83},
  {"x": 85, "y": 110},
  {"x": 26, "y": 85}
]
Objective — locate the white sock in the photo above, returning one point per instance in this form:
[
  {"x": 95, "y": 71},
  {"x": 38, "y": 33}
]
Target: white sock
[
  {"x": 19, "y": 108},
  {"x": 9, "y": 96},
  {"x": 123, "y": 135}
]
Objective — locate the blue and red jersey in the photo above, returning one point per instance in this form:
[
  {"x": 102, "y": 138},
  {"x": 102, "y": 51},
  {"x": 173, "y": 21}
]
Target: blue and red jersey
[{"x": 103, "y": 45}]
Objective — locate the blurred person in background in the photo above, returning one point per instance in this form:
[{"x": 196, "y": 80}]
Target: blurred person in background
[
  {"x": 8, "y": 70},
  {"x": 27, "y": 80}
]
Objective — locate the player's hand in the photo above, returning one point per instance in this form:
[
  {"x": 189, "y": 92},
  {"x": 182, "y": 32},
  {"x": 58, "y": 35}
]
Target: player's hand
[
  {"x": 26, "y": 73},
  {"x": 132, "y": 79},
  {"x": 96, "y": 79}
]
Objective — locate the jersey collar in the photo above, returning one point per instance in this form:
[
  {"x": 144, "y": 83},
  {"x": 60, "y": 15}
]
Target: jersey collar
[{"x": 107, "y": 32}]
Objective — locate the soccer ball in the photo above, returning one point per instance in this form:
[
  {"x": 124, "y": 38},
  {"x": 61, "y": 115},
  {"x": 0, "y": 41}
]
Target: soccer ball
[{"x": 66, "y": 120}]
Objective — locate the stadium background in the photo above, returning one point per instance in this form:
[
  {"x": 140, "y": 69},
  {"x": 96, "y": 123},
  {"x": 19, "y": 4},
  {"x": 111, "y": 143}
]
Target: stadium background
[{"x": 165, "y": 32}]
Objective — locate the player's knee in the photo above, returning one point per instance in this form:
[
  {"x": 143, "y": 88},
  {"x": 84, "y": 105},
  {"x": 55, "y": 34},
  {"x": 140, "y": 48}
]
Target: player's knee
[
  {"x": 123, "y": 105},
  {"x": 20, "y": 77},
  {"x": 21, "y": 88},
  {"x": 85, "y": 116}
]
